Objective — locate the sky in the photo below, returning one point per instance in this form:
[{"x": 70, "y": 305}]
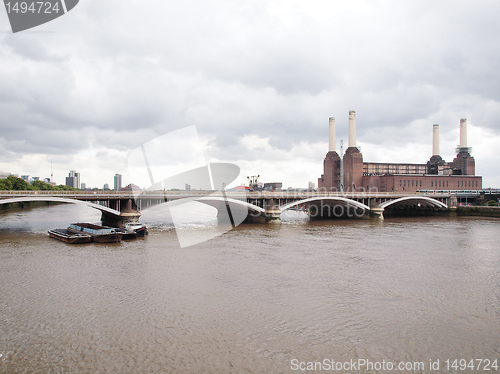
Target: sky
[{"x": 258, "y": 80}]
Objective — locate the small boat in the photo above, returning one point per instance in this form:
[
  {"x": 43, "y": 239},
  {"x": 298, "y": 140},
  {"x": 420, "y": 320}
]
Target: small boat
[
  {"x": 99, "y": 234},
  {"x": 70, "y": 237},
  {"x": 127, "y": 233},
  {"x": 140, "y": 229}
]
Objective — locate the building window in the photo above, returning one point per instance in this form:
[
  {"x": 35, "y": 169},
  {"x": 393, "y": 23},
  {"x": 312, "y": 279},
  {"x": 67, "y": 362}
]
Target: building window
[
  {"x": 420, "y": 182},
  {"x": 476, "y": 183},
  {"x": 412, "y": 183},
  {"x": 400, "y": 183},
  {"x": 458, "y": 184},
  {"x": 404, "y": 183},
  {"x": 432, "y": 183},
  {"x": 439, "y": 183},
  {"x": 446, "y": 183}
]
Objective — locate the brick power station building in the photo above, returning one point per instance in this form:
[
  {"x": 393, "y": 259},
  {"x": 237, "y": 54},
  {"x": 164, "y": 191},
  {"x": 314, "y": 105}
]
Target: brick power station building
[{"x": 360, "y": 176}]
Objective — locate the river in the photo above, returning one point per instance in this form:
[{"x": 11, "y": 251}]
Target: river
[{"x": 257, "y": 299}]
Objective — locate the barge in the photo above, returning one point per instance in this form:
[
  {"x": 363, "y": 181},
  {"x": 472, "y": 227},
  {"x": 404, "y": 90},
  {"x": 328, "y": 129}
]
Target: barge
[
  {"x": 68, "y": 236},
  {"x": 99, "y": 234}
]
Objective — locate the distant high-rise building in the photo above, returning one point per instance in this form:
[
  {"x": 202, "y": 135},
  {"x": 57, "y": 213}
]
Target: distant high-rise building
[
  {"x": 83, "y": 186},
  {"x": 106, "y": 186},
  {"x": 311, "y": 186},
  {"x": 118, "y": 182},
  {"x": 73, "y": 179},
  {"x": 188, "y": 187}
]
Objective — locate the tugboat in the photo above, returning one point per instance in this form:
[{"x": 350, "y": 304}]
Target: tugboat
[
  {"x": 127, "y": 233},
  {"x": 99, "y": 234},
  {"x": 70, "y": 237},
  {"x": 140, "y": 229}
]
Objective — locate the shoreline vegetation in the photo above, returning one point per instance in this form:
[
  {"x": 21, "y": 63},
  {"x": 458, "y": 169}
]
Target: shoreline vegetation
[
  {"x": 26, "y": 204},
  {"x": 12, "y": 183}
]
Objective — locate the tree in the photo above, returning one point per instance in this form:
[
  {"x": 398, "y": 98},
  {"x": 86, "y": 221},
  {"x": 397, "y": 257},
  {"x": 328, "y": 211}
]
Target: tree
[
  {"x": 492, "y": 203},
  {"x": 62, "y": 187},
  {"x": 5, "y": 184},
  {"x": 19, "y": 184},
  {"x": 39, "y": 185}
]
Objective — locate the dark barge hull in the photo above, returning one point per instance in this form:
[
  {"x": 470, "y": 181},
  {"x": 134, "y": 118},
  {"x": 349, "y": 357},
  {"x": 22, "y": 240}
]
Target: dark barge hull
[
  {"x": 99, "y": 234},
  {"x": 69, "y": 236},
  {"x": 108, "y": 238}
]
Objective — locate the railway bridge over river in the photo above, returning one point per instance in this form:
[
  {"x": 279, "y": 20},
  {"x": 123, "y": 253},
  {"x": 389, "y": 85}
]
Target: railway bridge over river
[{"x": 262, "y": 206}]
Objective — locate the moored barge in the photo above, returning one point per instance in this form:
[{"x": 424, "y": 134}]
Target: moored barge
[
  {"x": 68, "y": 236},
  {"x": 99, "y": 234}
]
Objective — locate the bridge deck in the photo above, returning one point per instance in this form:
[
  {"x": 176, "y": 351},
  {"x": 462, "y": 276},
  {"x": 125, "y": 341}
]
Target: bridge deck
[{"x": 94, "y": 195}]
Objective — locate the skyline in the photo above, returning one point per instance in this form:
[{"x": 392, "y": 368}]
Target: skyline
[
  {"x": 131, "y": 181},
  {"x": 259, "y": 81}
]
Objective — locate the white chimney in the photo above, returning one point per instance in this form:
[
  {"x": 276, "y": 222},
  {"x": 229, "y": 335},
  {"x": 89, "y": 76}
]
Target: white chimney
[
  {"x": 435, "y": 140},
  {"x": 352, "y": 128},
  {"x": 332, "y": 135},
  {"x": 463, "y": 133}
]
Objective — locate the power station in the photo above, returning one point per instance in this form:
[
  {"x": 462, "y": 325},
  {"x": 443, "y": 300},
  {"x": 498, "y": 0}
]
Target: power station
[{"x": 352, "y": 174}]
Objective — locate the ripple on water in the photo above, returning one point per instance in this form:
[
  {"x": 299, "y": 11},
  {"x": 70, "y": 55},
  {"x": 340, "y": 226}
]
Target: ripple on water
[{"x": 249, "y": 300}]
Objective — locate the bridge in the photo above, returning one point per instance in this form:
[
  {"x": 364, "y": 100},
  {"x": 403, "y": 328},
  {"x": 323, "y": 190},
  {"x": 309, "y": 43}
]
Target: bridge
[{"x": 264, "y": 206}]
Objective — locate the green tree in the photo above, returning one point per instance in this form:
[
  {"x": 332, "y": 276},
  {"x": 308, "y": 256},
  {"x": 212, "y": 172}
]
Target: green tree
[
  {"x": 5, "y": 184},
  {"x": 39, "y": 185},
  {"x": 19, "y": 184},
  {"x": 492, "y": 203},
  {"x": 65, "y": 188}
]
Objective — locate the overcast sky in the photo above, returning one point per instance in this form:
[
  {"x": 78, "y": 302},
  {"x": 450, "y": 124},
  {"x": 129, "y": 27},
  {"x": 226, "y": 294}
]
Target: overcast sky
[{"x": 258, "y": 79}]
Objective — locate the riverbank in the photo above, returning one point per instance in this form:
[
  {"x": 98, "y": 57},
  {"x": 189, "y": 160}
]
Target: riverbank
[
  {"x": 26, "y": 204},
  {"x": 483, "y": 211}
]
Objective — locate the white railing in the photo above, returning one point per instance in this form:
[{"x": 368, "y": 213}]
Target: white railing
[{"x": 194, "y": 193}]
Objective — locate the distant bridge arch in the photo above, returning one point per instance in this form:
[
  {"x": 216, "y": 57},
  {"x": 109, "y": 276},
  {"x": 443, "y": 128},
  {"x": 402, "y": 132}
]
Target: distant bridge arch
[
  {"x": 412, "y": 201},
  {"x": 217, "y": 201},
  {"x": 336, "y": 199},
  {"x": 102, "y": 208}
]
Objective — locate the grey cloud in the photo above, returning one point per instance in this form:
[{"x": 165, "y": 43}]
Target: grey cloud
[{"x": 240, "y": 69}]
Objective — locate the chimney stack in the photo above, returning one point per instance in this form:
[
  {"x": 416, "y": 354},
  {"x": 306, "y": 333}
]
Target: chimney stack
[
  {"x": 332, "y": 135},
  {"x": 352, "y": 128},
  {"x": 435, "y": 140},
  {"x": 463, "y": 133}
]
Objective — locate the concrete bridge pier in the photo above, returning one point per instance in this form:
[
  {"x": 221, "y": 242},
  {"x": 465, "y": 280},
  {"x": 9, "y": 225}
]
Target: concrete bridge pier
[
  {"x": 109, "y": 219},
  {"x": 273, "y": 212},
  {"x": 376, "y": 211}
]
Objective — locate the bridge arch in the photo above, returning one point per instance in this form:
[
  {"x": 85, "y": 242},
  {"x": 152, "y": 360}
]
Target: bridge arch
[
  {"x": 343, "y": 200},
  {"x": 217, "y": 201},
  {"x": 412, "y": 201},
  {"x": 102, "y": 208}
]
